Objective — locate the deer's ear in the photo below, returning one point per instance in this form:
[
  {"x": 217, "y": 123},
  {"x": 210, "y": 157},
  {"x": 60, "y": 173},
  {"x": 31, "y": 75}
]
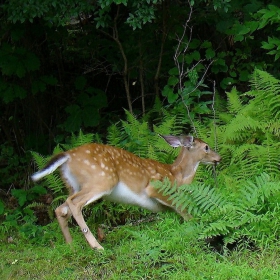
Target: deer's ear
[
  {"x": 187, "y": 141},
  {"x": 177, "y": 141}
]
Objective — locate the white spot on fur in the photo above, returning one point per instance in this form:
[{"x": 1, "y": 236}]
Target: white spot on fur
[
  {"x": 93, "y": 166},
  {"x": 88, "y": 151},
  {"x": 86, "y": 162}
]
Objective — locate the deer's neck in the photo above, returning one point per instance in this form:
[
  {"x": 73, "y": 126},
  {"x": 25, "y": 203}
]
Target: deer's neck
[{"x": 184, "y": 167}]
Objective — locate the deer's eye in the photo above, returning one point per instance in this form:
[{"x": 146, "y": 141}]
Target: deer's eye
[{"x": 206, "y": 148}]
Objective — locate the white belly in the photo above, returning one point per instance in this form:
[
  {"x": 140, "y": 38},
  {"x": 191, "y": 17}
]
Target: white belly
[{"x": 123, "y": 194}]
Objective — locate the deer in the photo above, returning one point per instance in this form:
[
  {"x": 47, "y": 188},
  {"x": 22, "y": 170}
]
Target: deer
[{"x": 94, "y": 171}]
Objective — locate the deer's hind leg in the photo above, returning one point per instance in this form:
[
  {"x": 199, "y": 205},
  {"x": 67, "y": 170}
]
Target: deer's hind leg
[
  {"x": 63, "y": 214},
  {"x": 77, "y": 201}
]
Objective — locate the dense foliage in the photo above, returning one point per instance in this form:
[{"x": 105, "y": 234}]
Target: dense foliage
[
  {"x": 67, "y": 65},
  {"x": 120, "y": 72}
]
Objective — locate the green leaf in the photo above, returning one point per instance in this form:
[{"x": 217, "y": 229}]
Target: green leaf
[
  {"x": 166, "y": 91},
  {"x": 206, "y": 44},
  {"x": 244, "y": 30},
  {"x": 86, "y": 111},
  {"x": 209, "y": 53},
  {"x": 253, "y": 25},
  {"x": 172, "y": 81},
  {"x": 227, "y": 82},
  {"x": 196, "y": 55},
  {"x": 173, "y": 71},
  {"x": 20, "y": 195},
  {"x": 38, "y": 190},
  {"x": 171, "y": 96},
  {"x": 74, "y": 120},
  {"x": 244, "y": 76},
  {"x": 194, "y": 44}
]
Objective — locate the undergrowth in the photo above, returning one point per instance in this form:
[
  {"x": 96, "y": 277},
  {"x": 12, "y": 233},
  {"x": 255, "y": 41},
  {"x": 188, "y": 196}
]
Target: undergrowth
[
  {"x": 239, "y": 201},
  {"x": 163, "y": 249}
]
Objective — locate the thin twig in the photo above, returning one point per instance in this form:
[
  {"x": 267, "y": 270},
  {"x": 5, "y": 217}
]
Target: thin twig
[
  {"x": 214, "y": 114},
  {"x": 180, "y": 65}
]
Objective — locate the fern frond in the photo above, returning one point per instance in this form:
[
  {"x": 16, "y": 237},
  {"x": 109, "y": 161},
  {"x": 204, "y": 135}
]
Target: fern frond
[
  {"x": 40, "y": 160},
  {"x": 35, "y": 205},
  {"x": 241, "y": 127},
  {"x": 258, "y": 190},
  {"x": 234, "y": 102},
  {"x": 273, "y": 127},
  {"x": 115, "y": 135},
  {"x": 263, "y": 80},
  {"x": 58, "y": 149},
  {"x": 268, "y": 157},
  {"x": 169, "y": 125},
  {"x": 134, "y": 135},
  {"x": 266, "y": 91},
  {"x": 78, "y": 140}
]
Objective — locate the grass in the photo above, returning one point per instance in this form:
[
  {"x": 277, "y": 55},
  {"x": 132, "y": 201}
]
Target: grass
[{"x": 163, "y": 249}]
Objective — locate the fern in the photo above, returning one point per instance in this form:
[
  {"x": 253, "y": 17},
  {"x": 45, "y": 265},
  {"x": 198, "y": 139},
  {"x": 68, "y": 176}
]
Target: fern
[
  {"x": 234, "y": 103},
  {"x": 242, "y": 128},
  {"x": 135, "y": 136},
  {"x": 36, "y": 205},
  {"x": 270, "y": 86},
  {"x": 196, "y": 197},
  {"x": 78, "y": 140},
  {"x": 222, "y": 213},
  {"x": 246, "y": 133}
]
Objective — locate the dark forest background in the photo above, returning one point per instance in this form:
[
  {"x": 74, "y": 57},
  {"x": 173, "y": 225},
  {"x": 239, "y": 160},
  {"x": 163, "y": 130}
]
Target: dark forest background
[{"x": 70, "y": 66}]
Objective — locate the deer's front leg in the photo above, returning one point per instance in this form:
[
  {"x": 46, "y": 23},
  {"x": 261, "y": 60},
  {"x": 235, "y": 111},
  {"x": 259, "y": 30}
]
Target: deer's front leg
[{"x": 152, "y": 192}]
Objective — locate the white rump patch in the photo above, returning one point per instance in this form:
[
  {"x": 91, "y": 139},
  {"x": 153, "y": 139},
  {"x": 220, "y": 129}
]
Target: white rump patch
[{"x": 70, "y": 178}]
